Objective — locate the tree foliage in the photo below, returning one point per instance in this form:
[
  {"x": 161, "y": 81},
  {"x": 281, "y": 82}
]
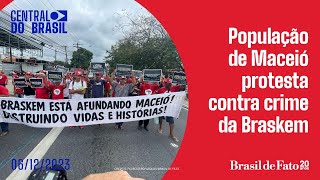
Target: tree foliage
[
  {"x": 57, "y": 62},
  {"x": 81, "y": 58},
  {"x": 146, "y": 45}
]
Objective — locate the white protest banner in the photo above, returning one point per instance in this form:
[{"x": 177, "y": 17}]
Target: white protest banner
[{"x": 70, "y": 112}]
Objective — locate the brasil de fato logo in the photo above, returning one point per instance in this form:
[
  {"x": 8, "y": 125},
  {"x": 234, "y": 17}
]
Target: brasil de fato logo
[{"x": 42, "y": 21}]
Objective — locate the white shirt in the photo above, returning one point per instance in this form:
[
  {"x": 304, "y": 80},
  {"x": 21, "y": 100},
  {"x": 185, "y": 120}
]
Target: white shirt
[{"x": 77, "y": 85}]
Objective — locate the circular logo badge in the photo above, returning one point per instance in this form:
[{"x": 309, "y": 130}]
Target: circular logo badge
[
  {"x": 148, "y": 91},
  {"x": 56, "y": 91}
]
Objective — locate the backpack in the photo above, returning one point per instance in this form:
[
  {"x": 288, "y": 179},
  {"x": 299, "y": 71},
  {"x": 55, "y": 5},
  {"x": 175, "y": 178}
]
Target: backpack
[{"x": 73, "y": 83}]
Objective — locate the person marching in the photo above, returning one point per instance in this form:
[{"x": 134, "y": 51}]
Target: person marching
[
  {"x": 43, "y": 92},
  {"x": 28, "y": 91},
  {"x": 77, "y": 88},
  {"x": 170, "y": 120},
  {"x": 57, "y": 88},
  {"x": 146, "y": 89},
  {"x": 121, "y": 89},
  {"x": 97, "y": 86}
]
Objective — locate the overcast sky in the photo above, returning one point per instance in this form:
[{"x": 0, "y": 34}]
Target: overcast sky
[{"x": 90, "y": 22}]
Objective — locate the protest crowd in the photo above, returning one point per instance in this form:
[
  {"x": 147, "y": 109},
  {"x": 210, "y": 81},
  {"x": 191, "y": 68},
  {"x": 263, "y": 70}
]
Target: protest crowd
[{"x": 78, "y": 85}]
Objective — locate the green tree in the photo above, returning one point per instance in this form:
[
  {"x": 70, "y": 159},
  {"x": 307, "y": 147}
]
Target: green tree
[
  {"x": 146, "y": 45},
  {"x": 57, "y": 62},
  {"x": 81, "y": 58}
]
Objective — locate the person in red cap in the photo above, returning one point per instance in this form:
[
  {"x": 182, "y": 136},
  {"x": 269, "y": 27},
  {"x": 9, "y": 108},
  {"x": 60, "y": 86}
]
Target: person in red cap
[
  {"x": 3, "y": 78},
  {"x": 18, "y": 92},
  {"x": 77, "y": 88},
  {"x": 4, "y": 92},
  {"x": 28, "y": 91},
  {"x": 170, "y": 120}
]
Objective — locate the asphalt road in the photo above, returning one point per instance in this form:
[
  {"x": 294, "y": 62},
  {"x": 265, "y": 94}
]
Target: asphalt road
[{"x": 97, "y": 149}]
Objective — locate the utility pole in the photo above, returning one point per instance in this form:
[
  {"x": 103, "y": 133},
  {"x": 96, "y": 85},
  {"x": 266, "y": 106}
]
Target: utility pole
[
  {"x": 55, "y": 55},
  {"x": 10, "y": 48},
  {"x": 65, "y": 49},
  {"x": 77, "y": 46}
]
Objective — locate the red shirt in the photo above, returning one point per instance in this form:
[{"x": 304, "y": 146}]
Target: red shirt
[
  {"x": 172, "y": 89},
  {"x": 162, "y": 90},
  {"x": 152, "y": 87},
  {"x": 42, "y": 93},
  {"x": 57, "y": 91},
  {"x": 3, "y": 79},
  {"x": 18, "y": 90},
  {"x": 175, "y": 88},
  {"x": 107, "y": 86},
  {"x": 4, "y": 91}
]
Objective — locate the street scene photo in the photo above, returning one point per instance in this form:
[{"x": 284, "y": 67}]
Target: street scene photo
[{"x": 88, "y": 90}]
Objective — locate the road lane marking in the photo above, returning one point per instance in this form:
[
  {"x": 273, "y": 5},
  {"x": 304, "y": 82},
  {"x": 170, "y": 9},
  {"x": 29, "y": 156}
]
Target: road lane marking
[
  {"x": 37, "y": 153},
  {"x": 18, "y": 150}
]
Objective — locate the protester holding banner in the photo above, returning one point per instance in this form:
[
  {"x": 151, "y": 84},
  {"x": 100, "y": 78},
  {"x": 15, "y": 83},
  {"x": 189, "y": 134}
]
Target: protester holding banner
[
  {"x": 77, "y": 88},
  {"x": 4, "y": 92},
  {"x": 170, "y": 120},
  {"x": 97, "y": 86},
  {"x": 28, "y": 91},
  {"x": 147, "y": 88},
  {"x": 122, "y": 89},
  {"x": 3, "y": 78},
  {"x": 42, "y": 92}
]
